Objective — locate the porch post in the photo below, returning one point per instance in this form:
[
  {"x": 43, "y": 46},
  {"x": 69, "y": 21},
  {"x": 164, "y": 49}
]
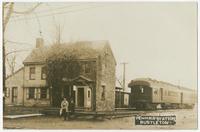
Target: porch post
[{"x": 50, "y": 92}]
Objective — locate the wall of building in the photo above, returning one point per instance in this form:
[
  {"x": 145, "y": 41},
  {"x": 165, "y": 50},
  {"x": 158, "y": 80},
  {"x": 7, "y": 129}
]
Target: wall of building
[
  {"x": 37, "y": 82},
  {"x": 105, "y": 78},
  {"x": 36, "y": 101},
  {"x": 13, "y": 81}
]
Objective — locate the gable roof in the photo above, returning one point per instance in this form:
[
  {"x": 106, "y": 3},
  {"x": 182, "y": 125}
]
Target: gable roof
[{"x": 82, "y": 50}]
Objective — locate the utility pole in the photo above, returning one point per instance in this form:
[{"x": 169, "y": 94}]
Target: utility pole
[{"x": 124, "y": 75}]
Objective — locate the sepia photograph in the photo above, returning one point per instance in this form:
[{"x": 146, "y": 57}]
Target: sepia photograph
[{"x": 99, "y": 65}]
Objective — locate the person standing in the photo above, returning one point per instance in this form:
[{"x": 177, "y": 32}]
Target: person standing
[
  {"x": 64, "y": 108},
  {"x": 71, "y": 107}
]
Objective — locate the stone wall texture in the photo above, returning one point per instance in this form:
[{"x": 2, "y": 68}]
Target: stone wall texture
[{"x": 105, "y": 78}]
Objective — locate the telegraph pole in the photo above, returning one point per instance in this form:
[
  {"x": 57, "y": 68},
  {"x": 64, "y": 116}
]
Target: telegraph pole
[{"x": 124, "y": 75}]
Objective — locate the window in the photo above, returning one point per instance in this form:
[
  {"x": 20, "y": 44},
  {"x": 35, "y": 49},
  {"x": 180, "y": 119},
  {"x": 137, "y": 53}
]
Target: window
[
  {"x": 43, "y": 93},
  {"x": 87, "y": 67},
  {"x": 88, "y": 93},
  {"x": 156, "y": 91},
  {"x": 31, "y": 93},
  {"x": 14, "y": 91},
  {"x": 103, "y": 92},
  {"x": 32, "y": 73},
  {"x": 142, "y": 89},
  {"x": 166, "y": 93},
  {"x": 172, "y": 93},
  {"x": 43, "y": 73}
]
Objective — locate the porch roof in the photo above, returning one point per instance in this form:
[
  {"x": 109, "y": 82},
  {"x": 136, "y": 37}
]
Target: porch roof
[{"x": 80, "y": 78}]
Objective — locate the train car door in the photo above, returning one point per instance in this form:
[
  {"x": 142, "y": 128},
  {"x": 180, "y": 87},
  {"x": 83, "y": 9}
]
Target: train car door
[
  {"x": 161, "y": 94},
  {"x": 181, "y": 98}
]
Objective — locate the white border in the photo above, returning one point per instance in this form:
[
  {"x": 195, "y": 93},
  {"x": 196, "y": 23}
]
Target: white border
[{"x": 1, "y": 69}]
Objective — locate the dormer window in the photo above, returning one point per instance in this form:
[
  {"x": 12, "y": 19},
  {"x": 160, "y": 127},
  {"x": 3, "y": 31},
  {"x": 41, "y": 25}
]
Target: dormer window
[
  {"x": 87, "y": 67},
  {"x": 32, "y": 73}
]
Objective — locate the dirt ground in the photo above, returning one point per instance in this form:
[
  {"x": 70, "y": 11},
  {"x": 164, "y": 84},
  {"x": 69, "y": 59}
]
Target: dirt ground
[{"x": 185, "y": 119}]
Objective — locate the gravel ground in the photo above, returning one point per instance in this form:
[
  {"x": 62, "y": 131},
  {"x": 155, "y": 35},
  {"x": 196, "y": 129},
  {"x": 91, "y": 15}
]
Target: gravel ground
[{"x": 185, "y": 119}]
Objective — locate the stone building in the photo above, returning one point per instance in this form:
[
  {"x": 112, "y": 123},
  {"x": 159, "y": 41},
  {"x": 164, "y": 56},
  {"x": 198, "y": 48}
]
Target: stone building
[{"x": 93, "y": 89}]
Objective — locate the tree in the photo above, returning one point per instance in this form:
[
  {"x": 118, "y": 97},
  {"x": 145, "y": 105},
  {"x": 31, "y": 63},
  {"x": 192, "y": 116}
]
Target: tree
[
  {"x": 5, "y": 22},
  {"x": 11, "y": 61},
  {"x": 62, "y": 67},
  {"x": 8, "y": 10}
]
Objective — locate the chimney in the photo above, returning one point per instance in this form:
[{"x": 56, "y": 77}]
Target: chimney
[{"x": 39, "y": 42}]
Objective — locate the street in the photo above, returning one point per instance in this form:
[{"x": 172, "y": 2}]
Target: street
[{"x": 185, "y": 119}]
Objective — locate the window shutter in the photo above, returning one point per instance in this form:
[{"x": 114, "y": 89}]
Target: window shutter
[
  {"x": 8, "y": 92},
  {"x": 47, "y": 93},
  {"x": 35, "y": 93},
  {"x": 16, "y": 91},
  {"x": 39, "y": 93},
  {"x": 27, "y": 93}
]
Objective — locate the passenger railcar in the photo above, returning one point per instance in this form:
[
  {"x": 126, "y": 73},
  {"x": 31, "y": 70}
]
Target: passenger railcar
[{"x": 147, "y": 93}]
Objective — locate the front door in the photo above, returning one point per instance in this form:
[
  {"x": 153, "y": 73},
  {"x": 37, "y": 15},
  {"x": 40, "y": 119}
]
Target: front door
[
  {"x": 14, "y": 95},
  {"x": 80, "y": 97}
]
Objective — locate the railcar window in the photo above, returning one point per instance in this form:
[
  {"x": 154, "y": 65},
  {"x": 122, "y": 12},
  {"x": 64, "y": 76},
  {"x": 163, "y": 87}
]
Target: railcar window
[
  {"x": 171, "y": 93},
  {"x": 142, "y": 89},
  {"x": 166, "y": 93},
  {"x": 156, "y": 91}
]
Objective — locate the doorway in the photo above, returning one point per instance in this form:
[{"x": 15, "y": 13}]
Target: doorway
[
  {"x": 181, "y": 98},
  {"x": 80, "y": 97},
  {"x": 161, "y": 94}
]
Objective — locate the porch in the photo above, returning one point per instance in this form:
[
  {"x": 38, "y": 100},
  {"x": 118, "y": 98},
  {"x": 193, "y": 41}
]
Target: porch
[{"x": 80, "y": 90}]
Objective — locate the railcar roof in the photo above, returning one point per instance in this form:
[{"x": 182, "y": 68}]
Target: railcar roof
[{"x": 153, "y": 81}]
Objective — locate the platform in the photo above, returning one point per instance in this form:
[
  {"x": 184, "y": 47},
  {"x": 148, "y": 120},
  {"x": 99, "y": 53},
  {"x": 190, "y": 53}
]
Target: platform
[{"x": 21, "y": 116}]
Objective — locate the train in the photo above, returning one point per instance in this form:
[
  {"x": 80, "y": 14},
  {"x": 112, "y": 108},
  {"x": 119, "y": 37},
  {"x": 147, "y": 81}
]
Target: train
[{"x": 147, "y": 93}]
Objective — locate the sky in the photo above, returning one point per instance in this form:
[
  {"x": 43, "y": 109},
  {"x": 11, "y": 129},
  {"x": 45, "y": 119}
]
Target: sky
[{"x": 157, "y": 40}]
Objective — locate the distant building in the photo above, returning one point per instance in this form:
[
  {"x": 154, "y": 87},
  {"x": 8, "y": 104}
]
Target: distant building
[
  {"x": 93, "y": 89},
  {"x": 121, "y": 98},
  {"x": 14, "y": 88}
]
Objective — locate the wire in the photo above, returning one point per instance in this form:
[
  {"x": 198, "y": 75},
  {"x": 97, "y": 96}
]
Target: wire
[
  {"x": 52, "y": 14},
  {"x": 38, "y": 21},
  {"x": 47, "y": 11},
  {"x": 15, "y": 51},
  {"x": 28, "y": 11},
  {"x": 70, "y": 11},
  {"x": 15, "y": 42}
]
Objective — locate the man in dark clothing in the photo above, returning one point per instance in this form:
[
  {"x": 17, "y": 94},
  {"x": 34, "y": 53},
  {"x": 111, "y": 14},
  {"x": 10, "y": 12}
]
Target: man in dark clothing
[{"x": 71, "y": 107}]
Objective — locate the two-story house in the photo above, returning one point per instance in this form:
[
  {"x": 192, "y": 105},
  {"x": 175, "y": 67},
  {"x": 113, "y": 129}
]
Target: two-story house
[{"x": 93, "y": 89}]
